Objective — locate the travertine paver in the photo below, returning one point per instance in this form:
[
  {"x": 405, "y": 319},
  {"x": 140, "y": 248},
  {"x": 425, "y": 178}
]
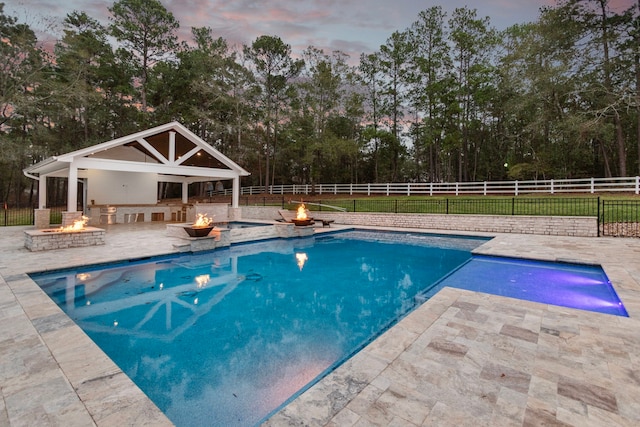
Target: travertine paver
[
  {"x": 51, "y": 373},
  {"x": 462, "y": 358},
  {"x": 477, "y": 365}
]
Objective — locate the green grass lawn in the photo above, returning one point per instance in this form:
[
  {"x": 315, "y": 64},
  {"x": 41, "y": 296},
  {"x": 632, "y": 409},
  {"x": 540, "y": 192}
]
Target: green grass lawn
[{"x": 613, "y": 208}]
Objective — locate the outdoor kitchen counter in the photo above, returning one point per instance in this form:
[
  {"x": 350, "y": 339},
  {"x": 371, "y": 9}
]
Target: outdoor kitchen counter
[{"x": 120, "y": 214}]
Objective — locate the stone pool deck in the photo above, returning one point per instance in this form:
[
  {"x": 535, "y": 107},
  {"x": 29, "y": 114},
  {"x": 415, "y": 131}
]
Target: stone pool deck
[{"x": 462, "y": 358}]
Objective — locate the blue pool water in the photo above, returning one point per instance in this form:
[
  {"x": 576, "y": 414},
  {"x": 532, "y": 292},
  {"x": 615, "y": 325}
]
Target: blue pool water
[
  {"x": 227, "y": 337},
  {"x": 585, "y": 287}
]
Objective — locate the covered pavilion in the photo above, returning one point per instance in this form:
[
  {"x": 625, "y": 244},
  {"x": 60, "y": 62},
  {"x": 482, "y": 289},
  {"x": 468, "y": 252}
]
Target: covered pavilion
[{"x": 127, "y": 170}]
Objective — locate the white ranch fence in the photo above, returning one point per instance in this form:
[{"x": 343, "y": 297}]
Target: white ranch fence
[{"x": 549, "y": 186}]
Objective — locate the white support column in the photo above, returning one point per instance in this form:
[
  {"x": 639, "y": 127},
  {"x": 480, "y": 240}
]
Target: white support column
[
  {"x": 72, "y": 194},
  {"x": 42, "y": 192},
  {"x": 185, "y": 192},
  {"x": 235, "y": 194},
  {"x": 172, "y": 147}
]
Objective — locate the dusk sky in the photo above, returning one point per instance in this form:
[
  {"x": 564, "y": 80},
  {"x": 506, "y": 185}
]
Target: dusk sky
[{"x": 351, "y": 26}]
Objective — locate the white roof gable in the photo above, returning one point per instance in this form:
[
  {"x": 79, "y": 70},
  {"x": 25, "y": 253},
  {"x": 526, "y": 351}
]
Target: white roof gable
[{"x": 169, "y": 149}]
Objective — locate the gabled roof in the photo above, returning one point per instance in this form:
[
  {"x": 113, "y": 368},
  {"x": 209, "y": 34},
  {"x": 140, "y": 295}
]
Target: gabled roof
[{"x": 169, "y": 149}]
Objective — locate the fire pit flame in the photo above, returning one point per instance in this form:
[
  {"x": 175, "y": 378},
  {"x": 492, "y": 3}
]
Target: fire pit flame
[
  {"x": 302, "y": 212},
  {"x": 302, "y": 218},
  {"x": 78, "y": 225},
  {"x": 202, "y": 221}
]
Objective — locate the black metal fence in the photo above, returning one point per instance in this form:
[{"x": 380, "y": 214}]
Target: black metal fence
[
  {"x": 615, "y": 217},
  {"x": 619, "y": 218},
  {"x": 25, "y": 216},
  {"x": 579, "y": 206},
  {"x": 487, "y": 206}
]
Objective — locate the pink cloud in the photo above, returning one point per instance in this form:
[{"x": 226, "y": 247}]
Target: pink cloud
[{"x": 352, "y": 26}]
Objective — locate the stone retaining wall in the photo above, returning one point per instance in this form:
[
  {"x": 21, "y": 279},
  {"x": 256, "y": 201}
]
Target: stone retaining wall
[{"x": 545, "y": 225}]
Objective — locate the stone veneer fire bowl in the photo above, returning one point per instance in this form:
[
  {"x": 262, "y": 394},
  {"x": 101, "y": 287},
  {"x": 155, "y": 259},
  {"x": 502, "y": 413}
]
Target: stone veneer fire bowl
[
  {"x": 302, "y": 222},
  {"x": 199, "y": 231},
  {"x": 49, "y": 239}
]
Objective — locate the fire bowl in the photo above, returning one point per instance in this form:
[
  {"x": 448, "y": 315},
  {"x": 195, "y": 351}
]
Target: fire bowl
[
  {"x": 198, "y": 231},
  {"x": 302, "y": 222}
]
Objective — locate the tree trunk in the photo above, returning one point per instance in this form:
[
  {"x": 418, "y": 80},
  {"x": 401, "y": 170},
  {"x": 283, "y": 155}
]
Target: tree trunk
[
  {"x": 622, "y": 151},
  {"x": 605, "y": 159},
  {"x": 267, "y": 174},
  {"x": 622, "y": 156}
]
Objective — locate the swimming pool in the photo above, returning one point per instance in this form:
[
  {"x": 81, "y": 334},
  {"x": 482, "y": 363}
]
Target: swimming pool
[
  {"x": 232, "y": 334},
  {"x": 227, "y": 337}
]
